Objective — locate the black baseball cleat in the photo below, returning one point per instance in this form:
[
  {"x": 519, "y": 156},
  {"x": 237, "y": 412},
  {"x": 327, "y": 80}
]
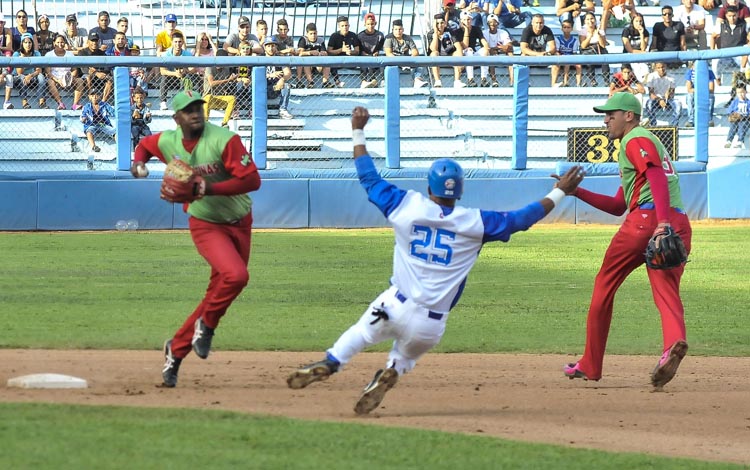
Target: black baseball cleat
[
  {"x": 374, "y": 393},
  {"x": 310, "y": 373},
  {"x": 666, "y": 368},
  {"x": 171, "y": 366},
  {"x": 202, "y": 337}
]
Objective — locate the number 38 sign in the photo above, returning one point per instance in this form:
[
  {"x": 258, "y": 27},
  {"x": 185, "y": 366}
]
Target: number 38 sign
[{"x": 592, "y": 144}]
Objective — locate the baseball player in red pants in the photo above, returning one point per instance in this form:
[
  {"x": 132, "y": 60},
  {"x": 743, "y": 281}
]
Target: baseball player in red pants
[
  {"x": 650, "y": 191},
  {"x": 220, "y": 216}
]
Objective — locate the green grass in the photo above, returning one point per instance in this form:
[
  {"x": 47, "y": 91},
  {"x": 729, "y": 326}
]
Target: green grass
[
  {"x": 132, "y": 290},
  {"x": 46, "y": 436}
]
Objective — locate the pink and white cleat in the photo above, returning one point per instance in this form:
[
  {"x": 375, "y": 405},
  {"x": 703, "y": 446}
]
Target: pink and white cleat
[
  {"x": 573, "y": 371},
  {"x": 666, "y": 369}
]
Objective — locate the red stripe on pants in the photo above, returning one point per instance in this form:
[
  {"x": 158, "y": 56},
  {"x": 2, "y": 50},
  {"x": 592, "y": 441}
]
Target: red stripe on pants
[
  {"x": 226, "y": 247},
  {"x": 624, "y": 254}
]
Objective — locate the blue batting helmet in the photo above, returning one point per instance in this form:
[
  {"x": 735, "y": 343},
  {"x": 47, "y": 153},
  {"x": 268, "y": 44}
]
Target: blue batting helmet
[{"x": 446, "y": 179}]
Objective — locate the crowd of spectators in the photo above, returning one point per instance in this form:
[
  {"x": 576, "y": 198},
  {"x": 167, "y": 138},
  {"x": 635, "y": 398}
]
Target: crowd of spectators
[{"x": 466, "y": 29}]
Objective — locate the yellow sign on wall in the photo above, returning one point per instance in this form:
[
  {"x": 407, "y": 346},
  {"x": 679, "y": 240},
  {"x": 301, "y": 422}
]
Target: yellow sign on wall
[{"x": 593, "y": 145}]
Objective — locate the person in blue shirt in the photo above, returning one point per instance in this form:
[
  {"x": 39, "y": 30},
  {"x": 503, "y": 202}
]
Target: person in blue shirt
[
  {"x": 510, "y": 14},
  {"x": 690, "y": 97},
  {"x": 739, "y": 118},
  {"x": 176, "y": 78},
  {"x": 436, "y": 245},
  {"x": 96, "y": 119}
]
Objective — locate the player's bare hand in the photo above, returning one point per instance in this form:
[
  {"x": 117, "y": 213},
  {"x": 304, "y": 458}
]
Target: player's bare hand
[
  {"x": 360, "y": 116},
  {"x": 570, "y": 180}
]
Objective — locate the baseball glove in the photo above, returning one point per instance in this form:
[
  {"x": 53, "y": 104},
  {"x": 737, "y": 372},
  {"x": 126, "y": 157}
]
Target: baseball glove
[
  {"x": 181, "y": 183},
  {"x": 665, "y": 250},
  {"x": 735, "y": 117}
]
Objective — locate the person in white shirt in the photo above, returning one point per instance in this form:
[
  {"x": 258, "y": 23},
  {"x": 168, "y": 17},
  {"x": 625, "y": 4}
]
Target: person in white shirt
[
  {"x": 694, "y": 18},
  {"x": 499, "y": 42},
  {"x": 61, "y": 78},
  {"x": 436, "y": 245},
  {"x": 661, "y": 100}
]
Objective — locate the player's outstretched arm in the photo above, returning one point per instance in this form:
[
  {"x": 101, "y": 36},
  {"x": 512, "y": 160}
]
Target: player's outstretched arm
[
  {"x": 566, "y": 185},
  {"x": 360, "y": 116}
]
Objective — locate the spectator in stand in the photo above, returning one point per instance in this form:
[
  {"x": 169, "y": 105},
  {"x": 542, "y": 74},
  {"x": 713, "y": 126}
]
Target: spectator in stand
[
  {"x": 573, "y": 11},
  {"x": 204, "y": 47},
  {"x": 61, "y": 78},
  {"x": 28, "y": 79},
  {"x": 693, "y": 17},
  {"x": 444, "y": 43},
  {"x": 711, "y": 6},
  {"x": 568, "y": 44},
  {"x": 625, "y": 81},
  {"x": 140, "y": 117},
  {"x": 75, "y": 37},
  {"x": 635, "y": 38},
  {"x": 668, "y": 35},
  {"x": 743, "y": 13},
  {"x": 244, "y": 82},
  {"x": 44, "y": 37},
  {"x": 219, "y": 85},
  {"x": 21, "y": 28},
  {"x": 122, "y": 27},
  {"x": 137, "y": 74},
  {"x": 617, "y": 8},
  {"x": 311, "y": 45},
  {"x": 451, "y": 16},
  {"x": 499, "y": 42},
  {"x": 286, "y": 42},
  {"x": 106, "y": 34},
  {"x": 163, "y": 40},
  {"x": 261, "y": 33},
  {"x": 473, "y": 43},
  {"x": 538, "y": 40},
  {"x": 661, "y": 88},
  {"x": 731, "y": 33},
  {"x": 119, "y": 46},
  {"x": 398, "y": 44},
  {"x": 593, "y": 42},
  {"x": 479, "y": 10},
  {"x": 179, "y": 77},
  {"x": 739, "y": 118},
  {"x": 342, "y": 42},
  {"x": 232, "y": 43},
  {"x": 370, "y": 45},
  {"x": 99, "y": 78},
  {"x": 95, "y": 118},
  {"x": 690, "y": 97},
  {"x": 6, "y": 38},
  {"x": 509, "y": 14},
  {"x": 277, "y": 78}
]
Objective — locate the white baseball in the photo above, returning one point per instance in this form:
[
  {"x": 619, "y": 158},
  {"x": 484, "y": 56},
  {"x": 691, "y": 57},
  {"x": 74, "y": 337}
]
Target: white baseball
[{"x": 142, "y": 171}]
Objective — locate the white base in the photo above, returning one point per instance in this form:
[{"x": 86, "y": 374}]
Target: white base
[{"x": 47, "y": 381}]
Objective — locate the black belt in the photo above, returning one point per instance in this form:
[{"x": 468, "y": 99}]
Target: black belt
[
  {"x": 651, "y": 205},
  {"x": 434, "y": 315}
]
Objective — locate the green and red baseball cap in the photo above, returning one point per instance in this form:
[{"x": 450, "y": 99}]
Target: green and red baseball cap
[
  {"x": 184, "y": 99},
  {"x": 620, "y": 101}
]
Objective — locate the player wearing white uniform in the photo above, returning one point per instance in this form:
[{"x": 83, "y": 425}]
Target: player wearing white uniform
[{"x": 436, "y": 246}]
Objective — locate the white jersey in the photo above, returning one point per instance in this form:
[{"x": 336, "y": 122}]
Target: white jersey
[{"x": 434, "y": 252}]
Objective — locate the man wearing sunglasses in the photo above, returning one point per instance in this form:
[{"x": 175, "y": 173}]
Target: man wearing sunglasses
[{"x": 668, "y": 35}]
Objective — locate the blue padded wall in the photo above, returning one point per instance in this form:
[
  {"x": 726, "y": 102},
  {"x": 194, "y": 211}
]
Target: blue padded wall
[
  {"x": 18, "y": 205},
  {"x": 729, "y": 196}
]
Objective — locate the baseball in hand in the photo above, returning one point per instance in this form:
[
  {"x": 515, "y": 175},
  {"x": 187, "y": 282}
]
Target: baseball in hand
[{"x": 142, "y": 171}]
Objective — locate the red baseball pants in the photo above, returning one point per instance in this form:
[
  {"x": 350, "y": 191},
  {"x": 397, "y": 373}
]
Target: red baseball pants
[
  {"x": 624, "y": 254},
  {"x": 226, "y": 247}
]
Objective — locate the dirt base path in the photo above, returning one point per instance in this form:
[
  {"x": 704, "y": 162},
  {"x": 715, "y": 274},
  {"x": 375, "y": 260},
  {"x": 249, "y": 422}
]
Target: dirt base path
[{"x": 703, "y": 414}]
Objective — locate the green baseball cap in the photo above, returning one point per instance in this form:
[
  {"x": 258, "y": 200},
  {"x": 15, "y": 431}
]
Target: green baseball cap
[
  {"x": 184, "y": 99},
  {"x": 620, "y": 102}
]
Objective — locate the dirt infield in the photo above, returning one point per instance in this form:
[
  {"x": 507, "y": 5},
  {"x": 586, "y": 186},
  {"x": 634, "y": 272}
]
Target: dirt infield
[{"x": 702, "y": 414}]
